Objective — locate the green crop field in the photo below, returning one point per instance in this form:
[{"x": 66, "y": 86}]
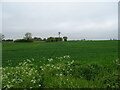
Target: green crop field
[{"x": 72, "y": 64}]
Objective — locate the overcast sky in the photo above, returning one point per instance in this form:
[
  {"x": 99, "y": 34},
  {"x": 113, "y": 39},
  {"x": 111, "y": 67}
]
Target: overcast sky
[{"x": 90, "y": 20}]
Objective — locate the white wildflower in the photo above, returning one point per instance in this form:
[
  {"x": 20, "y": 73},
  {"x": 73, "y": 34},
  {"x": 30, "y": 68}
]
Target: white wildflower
[
  {"x": 60, "y": 74},
  {"x": 39, "y": 85},
  {"x": 58, "y": 67},
  {"x": 57, "y": 74},
  {"x": 48, "y": 65},
  {"x": 50, "y": 59},
  {"x": 28, "y": 60}
]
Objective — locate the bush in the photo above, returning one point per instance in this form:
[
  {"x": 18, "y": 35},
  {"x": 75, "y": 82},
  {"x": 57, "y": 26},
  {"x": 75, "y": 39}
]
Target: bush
[
  {"x": 9, "y": 40},
  {"x": 23, "y": 40},
  {"x": 37, "y": 39},
  {"x": 54, "y": 39}
]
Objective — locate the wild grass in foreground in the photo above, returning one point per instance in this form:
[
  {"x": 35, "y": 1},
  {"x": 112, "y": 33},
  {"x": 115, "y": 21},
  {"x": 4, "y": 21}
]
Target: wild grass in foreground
[{"x": 61, "y": 72}]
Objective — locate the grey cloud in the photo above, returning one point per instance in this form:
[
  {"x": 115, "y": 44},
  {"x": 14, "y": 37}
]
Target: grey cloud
[{"x": 76, "y": 20}]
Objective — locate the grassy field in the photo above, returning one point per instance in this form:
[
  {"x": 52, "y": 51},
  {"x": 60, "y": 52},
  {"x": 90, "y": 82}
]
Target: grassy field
[{"x": 73, "y": 64}]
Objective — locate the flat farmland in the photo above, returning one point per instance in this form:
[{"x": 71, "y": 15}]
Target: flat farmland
[
  {"x": 103, "y": 52},
  {"x": 79, "y": 64}
]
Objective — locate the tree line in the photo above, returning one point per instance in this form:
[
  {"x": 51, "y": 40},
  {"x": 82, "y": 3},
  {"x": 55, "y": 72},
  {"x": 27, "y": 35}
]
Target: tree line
[{"x": 28, "y": 38}]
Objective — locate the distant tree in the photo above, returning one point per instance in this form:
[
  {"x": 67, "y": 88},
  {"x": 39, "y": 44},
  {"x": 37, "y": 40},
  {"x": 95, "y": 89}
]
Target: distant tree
[
  {"x": 3, "y": 36},
  {"x": 9, "y": 40},
  {"x": 60, "y": 39},
  {"x": 51, "y": 39},
  {"x": 37, "y": 39},
  {"x": 57, "y": 39},
  {"x": 54, "y": 39},
  {"x": 28, "y": 36},
  {"x": 83, "y": 39},
  {"x": 23, "y": 40},
  {"x": 65, "y": 38},
  {"x": 110, "y": 39},
  {"x": 114, "y": 39},
  {"x": 44, "y": 39}
]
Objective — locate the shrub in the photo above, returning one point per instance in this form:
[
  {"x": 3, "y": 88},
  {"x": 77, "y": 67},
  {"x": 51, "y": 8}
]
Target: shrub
[
  {"x": 37, "y": 39},
  {"x": 23, "y": 40},
  {"x": 9, "y": 40},
  {"x": 54, "y": 39}
]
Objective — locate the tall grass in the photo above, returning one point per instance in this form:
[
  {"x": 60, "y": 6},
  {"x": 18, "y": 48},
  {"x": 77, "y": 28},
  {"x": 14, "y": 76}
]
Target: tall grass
[{"x": 60, "y": 72}]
